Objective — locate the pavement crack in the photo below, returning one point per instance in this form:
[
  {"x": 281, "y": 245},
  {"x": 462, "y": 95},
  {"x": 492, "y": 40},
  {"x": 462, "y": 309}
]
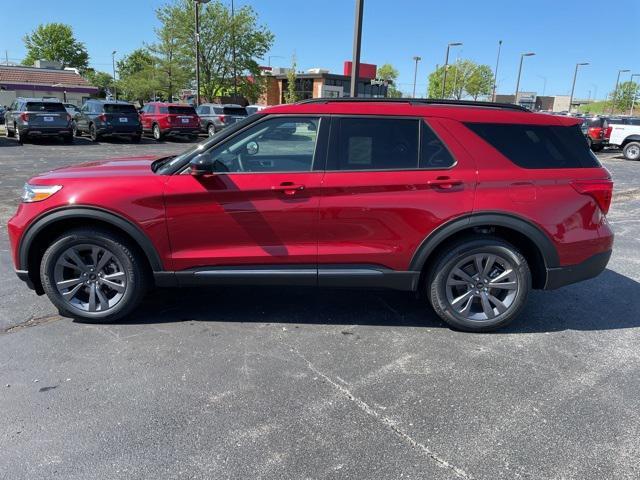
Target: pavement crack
[
  {"x": 386, "y": 421},
  {"x": 32, "y": 322}
]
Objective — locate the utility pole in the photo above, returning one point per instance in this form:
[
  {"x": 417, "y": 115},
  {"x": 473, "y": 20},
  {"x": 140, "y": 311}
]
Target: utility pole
[
  {"x": 635, "y": 93},
  {"x": 197, "y": 34},
  {"x": 233, "y": 51},
  {"x": 528, "y": 54},
  {"x": 446, "y": 66},
  {"x": 113, "y": 62},
  {"x": 573, "y": 86},
  {"x": 357, "y": 44},
  {"x": 495, "y": 73},
  {"x": 615, "y": 91},
  {"x": 415, "y": 74}
]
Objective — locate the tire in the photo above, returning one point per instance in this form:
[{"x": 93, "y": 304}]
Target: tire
[
  {"x": 156, "y": 132},
  {"x": 75, "y": 130},
  {"x": 631, "y": 151},
  {"x": 481, "y": 308},
  {"x": 9, "y": 133},
  {"x": 118, "y": 286},
  {"x": 211, "y": 129},
  {"x": 93, "y": 133},
  {"x": 16, "y": 133}
]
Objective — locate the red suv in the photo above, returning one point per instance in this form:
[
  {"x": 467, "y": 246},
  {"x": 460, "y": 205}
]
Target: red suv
[
  {"x": 472, "y": 204},
  {"x": 163, "y": 119}
]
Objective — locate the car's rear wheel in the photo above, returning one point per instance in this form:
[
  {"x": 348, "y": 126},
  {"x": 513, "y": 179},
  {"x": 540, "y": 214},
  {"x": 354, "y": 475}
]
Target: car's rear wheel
[
  {"x": 631, "y": 151},
  {"x": 19, "y": 137},
  {"x": 157, "y": 133},
  {"x": 10, "y": 133},
  {"x": 76, "y": 132},
  {"x": 93, "y": 275},
  {"x": 211, "y": 130},
  {"x": 93, "y": 133},
  {"x": 479, "y": 284}
]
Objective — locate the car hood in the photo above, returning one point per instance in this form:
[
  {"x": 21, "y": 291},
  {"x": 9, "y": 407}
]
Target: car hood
[{"x": 113, "y": 167}]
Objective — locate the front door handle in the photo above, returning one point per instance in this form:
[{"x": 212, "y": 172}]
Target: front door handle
[
  {"x": 288, "y": 188},
  {"x": 444, "y": 183}
]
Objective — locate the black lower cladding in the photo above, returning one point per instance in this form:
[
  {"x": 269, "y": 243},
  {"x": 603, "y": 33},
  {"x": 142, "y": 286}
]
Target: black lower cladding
[
  {"x": 560, "y": 276},
  {"x": 301, "y": 275}
]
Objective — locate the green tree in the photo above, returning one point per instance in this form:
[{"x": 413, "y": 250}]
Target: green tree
[
  {"x": 390, "y": 74},
  {"x": 464, "y": 78},
  {"x": 624, "y": 95},
  {"x": 136, "y": 62},
  {"x": 102, "y": 80},
  {"x": 55, "y": 42},
  {"x": 290, "y": 95},
  {"x": 480, "y": 82},
  {"x": 139, "y": 77}
]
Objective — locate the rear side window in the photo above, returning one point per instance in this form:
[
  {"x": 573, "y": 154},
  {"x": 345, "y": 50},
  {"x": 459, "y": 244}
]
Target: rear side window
[
  {"x": 235, "y": 111},
  {"x": 163, "y": 109},
  {"x": 182, "y": 110},
  {"x": 375, "y": 144},
  {"x": 538, "y": 146},
  {"x": 45, "y": 107},
  {"x": 119, "y": 108}
]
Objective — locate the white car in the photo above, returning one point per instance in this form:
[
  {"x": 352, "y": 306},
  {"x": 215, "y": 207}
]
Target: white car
[{"x": 627, "y": 137}]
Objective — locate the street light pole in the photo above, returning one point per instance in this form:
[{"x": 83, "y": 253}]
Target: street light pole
[
  {"x": 615, "y": 91},
  {"x": 233, "y": 51},
  {"x": 113, "y": 63},
  {"x": 635, "y": 94},
  {"x": 446, "y": 66},
  {"x": 415, "y": 75},
  {"x": 528, "y": 54},
  {"x": 357, "y": 44},
  {"x": 495, "y": 73},
  {"x": 573, "y": 86}
]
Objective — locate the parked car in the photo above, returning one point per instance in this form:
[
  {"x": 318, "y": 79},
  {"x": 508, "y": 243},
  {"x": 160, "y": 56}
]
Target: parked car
[
  {"x": 627, "y": 137},
  {"x": 164, "y": 119},
  {"x": 2, "y": 112},
  {"x": 71, "y": 109},
  {"x": 595, "y": 131},
  {"x": 214, "y": 117},
  {"x": 28, "y": 118},
  {"x": 451, "y": 199},
  {"x": 251, "y": 109},
  {"x": 104, "y": 118}
]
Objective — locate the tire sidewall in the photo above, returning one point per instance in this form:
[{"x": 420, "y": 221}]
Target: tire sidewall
[
  {"x": 627, "y": 148},
  {"x": 119, "y": 249},
  {"x": 436, "y": 287}
]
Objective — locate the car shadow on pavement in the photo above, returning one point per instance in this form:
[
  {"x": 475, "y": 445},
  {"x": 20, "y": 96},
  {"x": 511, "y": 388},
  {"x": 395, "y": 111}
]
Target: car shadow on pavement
[{"x": 610, "y": 301}]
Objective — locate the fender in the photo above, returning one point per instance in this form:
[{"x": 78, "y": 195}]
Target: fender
[
  {"x": 539, "y": 237},
  {"x": 631, "y": 138},
  {"x": 89, "y": 213}
]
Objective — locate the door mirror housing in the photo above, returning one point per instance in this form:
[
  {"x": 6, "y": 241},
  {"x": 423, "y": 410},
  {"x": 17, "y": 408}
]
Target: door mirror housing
[{"x": 199, "y": 166}]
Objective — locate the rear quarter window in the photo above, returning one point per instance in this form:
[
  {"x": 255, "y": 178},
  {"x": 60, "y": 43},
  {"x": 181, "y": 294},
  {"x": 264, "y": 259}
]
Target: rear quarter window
[{"x": 538, "y": 146}]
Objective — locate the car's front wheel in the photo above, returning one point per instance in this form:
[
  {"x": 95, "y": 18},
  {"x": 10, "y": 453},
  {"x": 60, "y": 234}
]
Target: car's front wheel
[
  {"x": 93, "y": 275},
  {"x": 479, "y": 284},
  {"x": 631, "y": 151}
]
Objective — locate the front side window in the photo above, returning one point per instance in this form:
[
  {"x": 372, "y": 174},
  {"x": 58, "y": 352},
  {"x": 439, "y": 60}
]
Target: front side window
[
  {"x": 274, "y": 145},
  {"x": 375, "y": 144}
]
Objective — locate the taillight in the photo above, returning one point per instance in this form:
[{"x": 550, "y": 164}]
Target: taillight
[
  {"x": 24, "y": 117},
  {"x": 596, "y": 132},
  {"x": 222, "y": 118},
  {"x": 102, "y": 117},
  {"x": 607, "y": 135},
  {"x": 600, "y": 190},
  {"x": 68, "y": 117}
]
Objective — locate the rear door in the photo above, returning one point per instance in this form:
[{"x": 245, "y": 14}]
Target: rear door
[
  {"x": 47, "y": 115},
  {"x": 389, "y": 183},
  {"x": 260, "y": 204},
  {"x": 122, "y": 116},
  {"x": 183, "y": 116},
  {"x": 234, "y": 114}
]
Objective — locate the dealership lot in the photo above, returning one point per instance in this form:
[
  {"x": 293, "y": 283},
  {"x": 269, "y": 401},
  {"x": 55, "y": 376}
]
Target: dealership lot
[{"x": 301, "y": 383}]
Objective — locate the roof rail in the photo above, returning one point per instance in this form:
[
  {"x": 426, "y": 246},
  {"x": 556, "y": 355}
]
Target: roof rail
[{"x": 418, "y": 101}]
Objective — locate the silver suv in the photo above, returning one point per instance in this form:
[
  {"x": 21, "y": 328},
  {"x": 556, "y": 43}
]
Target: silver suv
[
  {"x": 215, "y": 116},
  {"x": 28, "y": 118}
]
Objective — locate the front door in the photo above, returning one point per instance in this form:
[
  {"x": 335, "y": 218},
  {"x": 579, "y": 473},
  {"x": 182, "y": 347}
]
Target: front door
[
  {"x": 389, "y": 183},
  {"x": 259, "y": 206}
]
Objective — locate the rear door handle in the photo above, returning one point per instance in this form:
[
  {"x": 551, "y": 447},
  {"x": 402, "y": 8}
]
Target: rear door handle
[
  {"x": 444, "y": 182},
  {"x": 288, "y": 188}
]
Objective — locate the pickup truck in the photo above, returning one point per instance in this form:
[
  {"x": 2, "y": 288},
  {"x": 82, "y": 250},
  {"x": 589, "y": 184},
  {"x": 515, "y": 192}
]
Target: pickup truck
[{"x": 627, "y": 137}]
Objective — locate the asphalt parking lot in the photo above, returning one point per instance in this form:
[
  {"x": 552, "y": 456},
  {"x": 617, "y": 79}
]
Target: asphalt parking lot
[{"x": 299, "y": 383}]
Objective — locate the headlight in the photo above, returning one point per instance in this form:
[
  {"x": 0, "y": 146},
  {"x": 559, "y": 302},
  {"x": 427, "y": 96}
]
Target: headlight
[{"x": 37, "y": 193}]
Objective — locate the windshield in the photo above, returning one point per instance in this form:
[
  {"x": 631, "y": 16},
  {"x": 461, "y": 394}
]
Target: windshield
[{"x": 171, "y": 165}]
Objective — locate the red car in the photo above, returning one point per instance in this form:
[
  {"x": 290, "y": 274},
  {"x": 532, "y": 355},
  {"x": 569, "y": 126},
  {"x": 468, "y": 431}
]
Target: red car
[
  {"x": 472, "y": 204},
  {"x": 164, "y": 119}
]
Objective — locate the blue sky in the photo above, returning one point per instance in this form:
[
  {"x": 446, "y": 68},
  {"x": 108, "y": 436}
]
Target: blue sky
[{"x": 561, "y": 32}]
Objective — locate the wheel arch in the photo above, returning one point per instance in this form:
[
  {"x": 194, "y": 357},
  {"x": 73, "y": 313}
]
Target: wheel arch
[
  {"x": 533, "y": 243},
  {"x": 629, "y": 139},
  {"x": 42, "y": 231}
]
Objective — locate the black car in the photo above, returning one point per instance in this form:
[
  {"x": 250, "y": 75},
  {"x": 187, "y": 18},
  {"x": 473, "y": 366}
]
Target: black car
[
  {"x": 28, "y": 118},
  {"x": 2, "y": 110},
  {"x": 101, "y": 118}
]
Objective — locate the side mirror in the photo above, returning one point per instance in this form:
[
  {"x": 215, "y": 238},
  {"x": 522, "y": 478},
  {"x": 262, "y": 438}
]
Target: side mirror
[{"x": 198, "y": 166}]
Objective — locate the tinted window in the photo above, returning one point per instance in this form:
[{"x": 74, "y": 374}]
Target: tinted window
[
  {"x": 163, "y": 109},
  {"x": 45, "y": 107},
  {"x": 182, "y": 110},
  {"x": 375, "y": 144},
  {"x": 119, "y": 108},
  {"x": 202, "y": 110},
  {"x": 538, "y": 146},
  {"x": 235, "y": 111},
  {"x": 434, "y": 153},
  {"x": 276, "y": 145}
]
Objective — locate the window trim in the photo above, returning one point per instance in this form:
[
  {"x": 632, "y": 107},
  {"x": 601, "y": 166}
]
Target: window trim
[
  {"x": 323, "y": 136},
  {"x": 422, "y": 121}
]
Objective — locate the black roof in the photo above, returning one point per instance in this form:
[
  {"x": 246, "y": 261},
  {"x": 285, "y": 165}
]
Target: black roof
[{"x": 419, "y": 101}]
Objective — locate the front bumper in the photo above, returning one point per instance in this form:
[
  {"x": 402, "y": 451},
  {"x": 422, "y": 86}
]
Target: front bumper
[{"x": 560, "y": 276}]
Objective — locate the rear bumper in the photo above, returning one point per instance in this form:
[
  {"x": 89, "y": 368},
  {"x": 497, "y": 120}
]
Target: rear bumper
[
  {"x": 560, "y": 276},
  {"x": 44, "y": 132},
  {"x": 181, "y": 131},
  {"x": 117, "y": 130}
]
